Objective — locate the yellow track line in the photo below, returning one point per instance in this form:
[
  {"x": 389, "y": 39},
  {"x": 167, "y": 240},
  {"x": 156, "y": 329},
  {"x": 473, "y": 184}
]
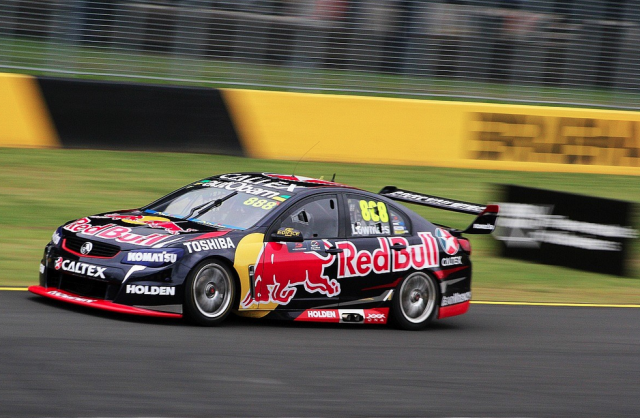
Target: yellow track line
[{"x": 479, "y": 302}]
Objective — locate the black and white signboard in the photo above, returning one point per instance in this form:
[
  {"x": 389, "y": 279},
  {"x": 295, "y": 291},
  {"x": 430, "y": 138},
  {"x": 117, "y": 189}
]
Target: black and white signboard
[{"x": 565, "y": 229}]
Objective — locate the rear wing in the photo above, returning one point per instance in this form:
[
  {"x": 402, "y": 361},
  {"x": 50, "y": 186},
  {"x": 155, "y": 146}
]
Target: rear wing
[{"x": 485, "y": 223}]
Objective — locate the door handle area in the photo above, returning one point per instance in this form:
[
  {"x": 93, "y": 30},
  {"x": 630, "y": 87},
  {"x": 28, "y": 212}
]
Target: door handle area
[
  {"x": 398, "y": 247},
  {"x": 334, "y": 250}
]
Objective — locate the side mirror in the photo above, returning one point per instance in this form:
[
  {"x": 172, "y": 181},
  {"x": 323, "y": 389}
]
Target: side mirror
[{"x": 287, "y": 235}]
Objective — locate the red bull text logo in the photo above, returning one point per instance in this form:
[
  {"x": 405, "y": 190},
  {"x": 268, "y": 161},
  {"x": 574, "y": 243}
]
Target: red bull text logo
[
  {"x": 111, "y": 231},
  {"x": 279, "y": 271},
  {"x": 361, "y": 263}
]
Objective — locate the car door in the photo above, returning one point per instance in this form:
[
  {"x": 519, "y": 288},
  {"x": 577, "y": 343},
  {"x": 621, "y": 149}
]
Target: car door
[
  {"x": 376, "y": 251},
  {"x": 298, "y": 275}
]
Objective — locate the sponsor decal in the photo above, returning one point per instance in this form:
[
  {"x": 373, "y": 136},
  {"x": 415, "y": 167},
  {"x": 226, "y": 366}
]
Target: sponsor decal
[
  {"x": 373, "y": 318},
  {"x": 288, "y": 232},
  {"x": 279, "y": 270},
  {"x": 153, "y": 258},
  {"x": 315, "y": 245},
  {"x": 209, "y": 244},
  {"x": 456, "y": 298},
  {"x": 243, "y": 179},
  {"x": 65, "y": 296},
  {"x": 322, "y": 314},
  {"x": 150, "y": 290},
  {"x": 436, "y": 201},
  {"x": 244, "y": 188},
  {"x": 448, "y": 242},
  {"x": 150, "y": 221},
  {"x": 489, "y": 227},
  {"x": 361, "y": 263},
  {"x": 80, "y": 268},
  {"x": 55, "y": 238},
  {"x": 357, "y": 316},
  {"x": 86, "y": 248},
  {"x": 399, "y": 227},
  {"x": 114, "y": 232},
  {"x": 451, "y": 261},
  {"x": 299, "y": 246},
  {"x": 42, "y": 268}
]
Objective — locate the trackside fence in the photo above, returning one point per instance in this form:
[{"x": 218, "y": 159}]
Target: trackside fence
[{"x": 535, "y": 51}]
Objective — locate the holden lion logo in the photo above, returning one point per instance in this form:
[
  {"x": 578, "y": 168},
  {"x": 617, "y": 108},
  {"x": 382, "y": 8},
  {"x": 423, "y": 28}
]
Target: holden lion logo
[{"x": 86, "y": 248}]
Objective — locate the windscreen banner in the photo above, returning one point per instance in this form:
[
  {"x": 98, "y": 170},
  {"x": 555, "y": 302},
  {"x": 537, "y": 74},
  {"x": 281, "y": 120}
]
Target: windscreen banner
[{"x": 565, "y": 229}]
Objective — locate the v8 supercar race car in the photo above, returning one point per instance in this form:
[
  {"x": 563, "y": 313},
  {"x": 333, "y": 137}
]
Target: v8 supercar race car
[{"x": 269, "y": 245}]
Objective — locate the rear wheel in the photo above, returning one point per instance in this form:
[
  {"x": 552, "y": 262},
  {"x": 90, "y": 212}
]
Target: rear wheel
[
  {"x": 209, "y": 293},
  {"x": 414, "y": 303}
]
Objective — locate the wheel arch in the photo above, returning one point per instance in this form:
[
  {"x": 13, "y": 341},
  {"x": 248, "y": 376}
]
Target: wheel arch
[
  {"x": 399, "y": 317},
  {"x": 229, "y": 265}
]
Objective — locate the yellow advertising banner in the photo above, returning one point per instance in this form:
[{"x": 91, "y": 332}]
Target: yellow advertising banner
[
  {"x": 279, "y": 125},
  {"x": 24, "y": 118}
]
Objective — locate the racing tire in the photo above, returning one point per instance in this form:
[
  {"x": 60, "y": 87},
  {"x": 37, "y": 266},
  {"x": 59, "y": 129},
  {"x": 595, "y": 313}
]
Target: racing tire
[
  {"x": 210, "y": 291},
  {"x": 414, "y": 303}
]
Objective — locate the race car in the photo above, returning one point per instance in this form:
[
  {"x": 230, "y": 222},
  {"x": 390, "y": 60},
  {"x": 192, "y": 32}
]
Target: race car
[{"x": 269, "y": 245}]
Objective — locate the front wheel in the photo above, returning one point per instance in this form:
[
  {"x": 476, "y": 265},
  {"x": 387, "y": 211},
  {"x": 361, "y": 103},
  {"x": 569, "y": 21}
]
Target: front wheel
[
  {"x": 414, "y": 303},
  {"x": 209, "y": 293}
]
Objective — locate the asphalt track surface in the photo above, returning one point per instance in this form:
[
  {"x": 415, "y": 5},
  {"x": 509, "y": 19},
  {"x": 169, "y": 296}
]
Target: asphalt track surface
[{"x": 496, "y": 361}]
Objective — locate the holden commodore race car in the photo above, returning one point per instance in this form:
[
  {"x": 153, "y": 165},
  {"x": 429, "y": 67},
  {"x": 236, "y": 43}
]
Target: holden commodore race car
[{"x": 269, "y": 245}]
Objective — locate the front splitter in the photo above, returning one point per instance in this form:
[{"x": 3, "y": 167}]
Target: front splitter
[{"x": 102, "y": 304}]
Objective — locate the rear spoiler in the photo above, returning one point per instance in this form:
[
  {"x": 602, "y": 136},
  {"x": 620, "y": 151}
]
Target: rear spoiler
[{"x": 485, "y": 223}]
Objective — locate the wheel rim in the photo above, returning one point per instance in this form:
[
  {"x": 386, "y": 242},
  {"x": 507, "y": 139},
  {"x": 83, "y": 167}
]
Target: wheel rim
[
  {"x": 212, "y": 290},
  {"x": 417, "y": 298}
]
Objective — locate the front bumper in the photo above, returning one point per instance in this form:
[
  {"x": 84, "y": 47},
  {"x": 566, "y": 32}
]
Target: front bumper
[{"x": 108, "y": 284}]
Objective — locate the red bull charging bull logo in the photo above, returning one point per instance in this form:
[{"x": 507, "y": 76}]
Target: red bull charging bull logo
[
  {"x": 151, "y": 221},
  {"x": 279, "y": 271}
]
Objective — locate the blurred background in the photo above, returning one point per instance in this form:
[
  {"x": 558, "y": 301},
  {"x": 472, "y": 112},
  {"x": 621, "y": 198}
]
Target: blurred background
[
  {"x": 497, "y": 361},
  {"x": 568, "y": 52}
]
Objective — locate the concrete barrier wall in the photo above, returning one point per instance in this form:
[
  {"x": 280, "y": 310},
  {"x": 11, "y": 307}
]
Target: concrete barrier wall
[
  {"x": 53, "y": 112},
  {"x": 276, "y": 125}
]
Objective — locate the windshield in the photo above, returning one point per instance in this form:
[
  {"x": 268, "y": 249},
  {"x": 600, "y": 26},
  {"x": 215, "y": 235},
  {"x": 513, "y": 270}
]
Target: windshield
[{"x": 237, "y": 210}]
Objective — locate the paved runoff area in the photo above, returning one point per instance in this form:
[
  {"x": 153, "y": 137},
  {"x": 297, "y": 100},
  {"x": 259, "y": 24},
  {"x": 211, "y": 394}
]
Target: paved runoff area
[{"x": 497, "y": 360}]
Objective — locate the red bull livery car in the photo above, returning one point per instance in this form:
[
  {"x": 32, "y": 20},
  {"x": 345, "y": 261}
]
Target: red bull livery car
[{"x": 268, "y": 245}]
